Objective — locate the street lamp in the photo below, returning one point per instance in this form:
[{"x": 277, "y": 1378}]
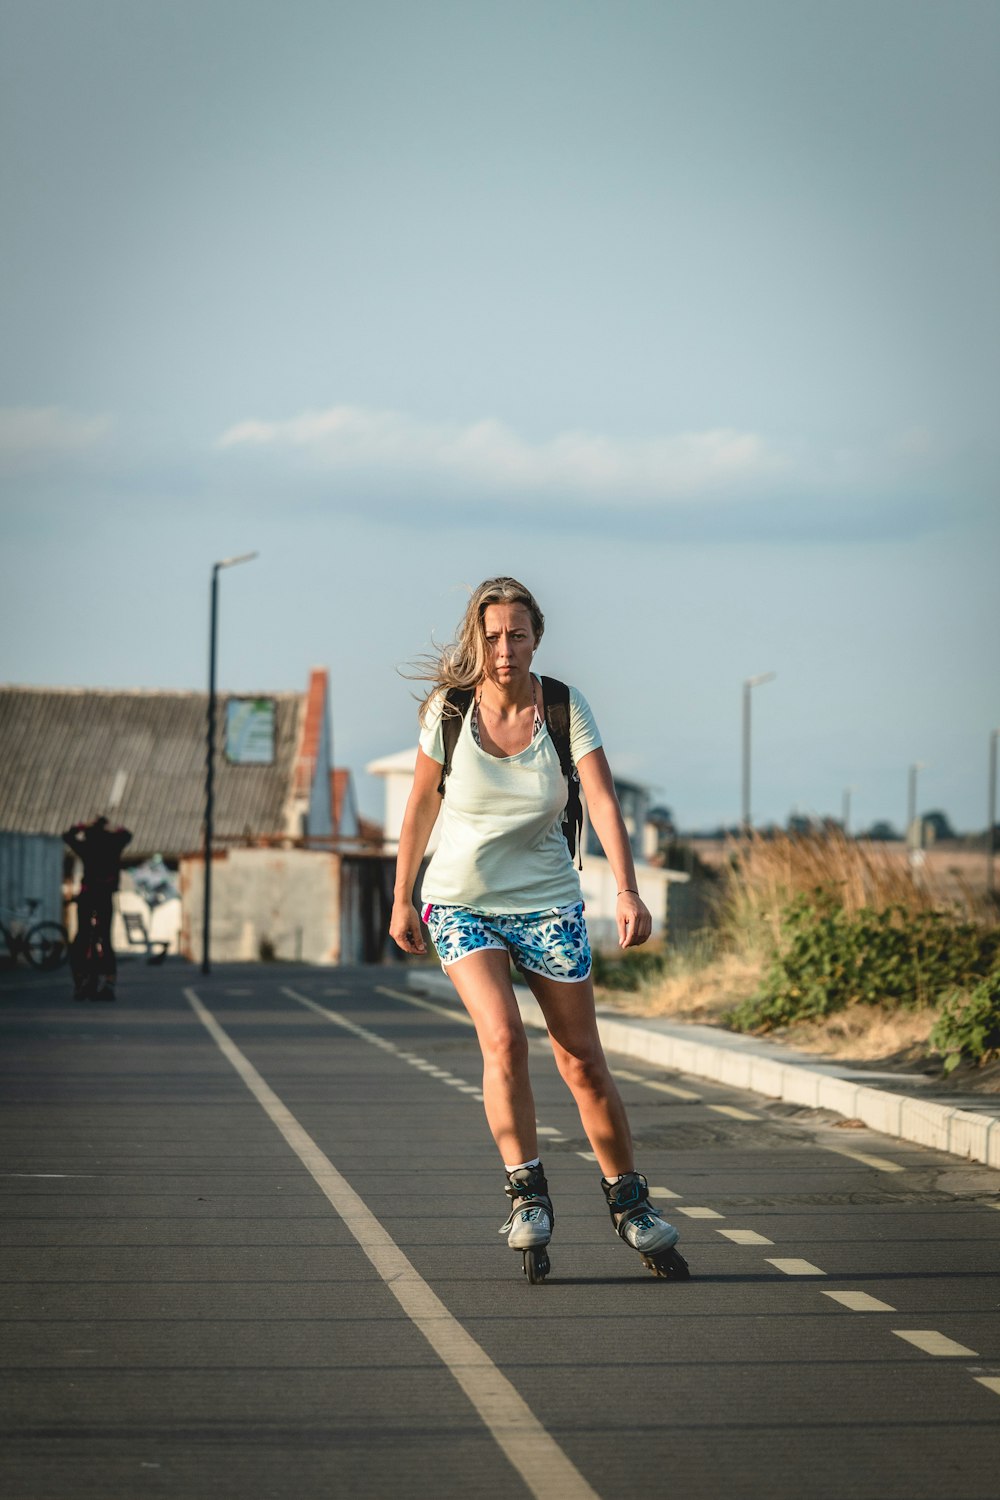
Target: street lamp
[
  {"x": 991, "y": 812},
  {"x": 914, "y": 835},
  {"x": 749, "y": 684},
  {"x": 206, "y": 916}
]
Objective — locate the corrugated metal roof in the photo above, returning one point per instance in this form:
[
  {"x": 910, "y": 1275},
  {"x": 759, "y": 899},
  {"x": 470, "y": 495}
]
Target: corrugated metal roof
[{"x": 67, "y": 753}]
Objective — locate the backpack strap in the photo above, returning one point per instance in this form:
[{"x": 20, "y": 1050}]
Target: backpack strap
[
  {"x": 556, "y": 696},
  {"x": 458, "y": 699}
]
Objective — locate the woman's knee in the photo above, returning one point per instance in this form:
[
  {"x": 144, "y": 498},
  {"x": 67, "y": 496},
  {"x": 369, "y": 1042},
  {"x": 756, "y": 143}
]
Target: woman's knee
[
  {"x": 505, "y": 1048},
  {"x": 584, "y": 1069}
]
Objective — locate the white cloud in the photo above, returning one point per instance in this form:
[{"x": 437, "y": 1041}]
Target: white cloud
[
  {"x": 38, "y": 432},
  {"x": 489, "y": 455}
]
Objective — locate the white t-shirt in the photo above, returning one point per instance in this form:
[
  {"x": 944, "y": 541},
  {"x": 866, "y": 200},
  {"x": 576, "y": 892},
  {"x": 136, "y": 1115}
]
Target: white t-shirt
[{"x": 502, "y": 849}]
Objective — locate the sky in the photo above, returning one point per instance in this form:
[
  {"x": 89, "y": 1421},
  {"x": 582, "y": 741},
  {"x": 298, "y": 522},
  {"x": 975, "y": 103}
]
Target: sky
[{"x": 685, "y": 314}]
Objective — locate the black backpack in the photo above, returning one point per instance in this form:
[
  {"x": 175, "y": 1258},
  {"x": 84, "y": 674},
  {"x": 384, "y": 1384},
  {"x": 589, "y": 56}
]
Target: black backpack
[{"x": 556, "y": 696}]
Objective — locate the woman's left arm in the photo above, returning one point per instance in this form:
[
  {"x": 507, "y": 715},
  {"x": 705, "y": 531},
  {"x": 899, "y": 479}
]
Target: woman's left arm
[{"x": 634, "y": 921}]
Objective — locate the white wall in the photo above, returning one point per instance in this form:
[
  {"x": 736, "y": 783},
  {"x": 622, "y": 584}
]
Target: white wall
[
  {"x": 600, "y": 897},
  {"x": 163, "y": 924},
  {"x": 289, "y": 898},
  {"x": 397, "y": 792}
]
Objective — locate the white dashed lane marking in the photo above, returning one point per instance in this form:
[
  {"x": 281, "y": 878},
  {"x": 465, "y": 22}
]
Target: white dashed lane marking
[
  {"x": 929, "y": 1341},
  {"x": 859, "y": 1302},
  {"x": 932, "y": 1342},
  {"x": 793, "y": 1267},
  {"x": 878, "y": 1163},
  {"x": 429, "y": 1069},
  {"x": 438, "y": 1010}
]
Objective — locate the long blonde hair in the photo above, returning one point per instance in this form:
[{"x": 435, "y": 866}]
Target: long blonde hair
[{"x": 462, "y": 664}]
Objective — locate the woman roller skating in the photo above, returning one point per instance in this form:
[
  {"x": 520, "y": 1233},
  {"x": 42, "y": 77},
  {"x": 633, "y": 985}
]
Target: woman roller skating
[{"x": 502, "y": 748}]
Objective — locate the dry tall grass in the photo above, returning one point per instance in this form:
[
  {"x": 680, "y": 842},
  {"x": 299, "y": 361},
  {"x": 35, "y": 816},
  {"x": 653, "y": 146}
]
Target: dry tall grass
[
  {"x": 764, "y": 874},
  {"x": 695, "y": 987},
  {"x": 761, "y": 875}
]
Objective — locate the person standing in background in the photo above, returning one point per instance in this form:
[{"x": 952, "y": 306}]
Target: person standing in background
[{"x": 92, "y": 958}]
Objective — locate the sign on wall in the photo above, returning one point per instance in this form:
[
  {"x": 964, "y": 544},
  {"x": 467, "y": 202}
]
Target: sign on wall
[{"x": 250, "y": 731}]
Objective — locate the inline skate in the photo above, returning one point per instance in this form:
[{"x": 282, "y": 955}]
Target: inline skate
[
  {"x": 529, "y": 1224},
  {"x": 643, "y": 1227}
]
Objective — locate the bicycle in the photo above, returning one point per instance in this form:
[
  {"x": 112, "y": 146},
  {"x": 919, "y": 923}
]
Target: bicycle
[{"x": 45, "y": 945}]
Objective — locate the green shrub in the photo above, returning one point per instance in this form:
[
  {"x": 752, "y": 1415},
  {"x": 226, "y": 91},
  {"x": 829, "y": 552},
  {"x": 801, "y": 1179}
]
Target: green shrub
[
  {"x": 969, "y": 1024},
  {"x": 827, "y": 959}
]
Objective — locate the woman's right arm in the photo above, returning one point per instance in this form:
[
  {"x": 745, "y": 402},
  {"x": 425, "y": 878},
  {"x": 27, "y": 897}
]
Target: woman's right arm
[{"x": 422, "y": 809}]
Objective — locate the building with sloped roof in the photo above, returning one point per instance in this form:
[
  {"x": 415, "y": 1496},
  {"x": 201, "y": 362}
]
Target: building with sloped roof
[
  {"x": 296, "y": 874},
  {"x": 139, "y": 757}
]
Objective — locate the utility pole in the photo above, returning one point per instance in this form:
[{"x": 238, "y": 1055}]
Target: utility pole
[
  {"x": 914, "y": 831},
  {"x": 846, "y": 810},
  {"x": 991, "y": 810},
  {"x": 748, "y": 686}
]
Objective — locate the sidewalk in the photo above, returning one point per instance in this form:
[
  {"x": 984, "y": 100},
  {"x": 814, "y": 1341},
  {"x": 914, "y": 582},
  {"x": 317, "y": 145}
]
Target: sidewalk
[{"x": 968, "y": 1127}]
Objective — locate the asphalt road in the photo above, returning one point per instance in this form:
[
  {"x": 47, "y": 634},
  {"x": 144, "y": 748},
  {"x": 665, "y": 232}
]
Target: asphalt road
[{"x": 249, "y": 1249}]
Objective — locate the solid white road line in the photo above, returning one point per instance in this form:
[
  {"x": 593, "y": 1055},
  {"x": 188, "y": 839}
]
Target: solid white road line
[
  {"x": 535, "y": 1455},
  {"x": 733, "y": 1112},
  {"x": 932, "y": 1342},
  {"x": 701, "y": 1213},
  {"x": 795, "y": 1267},
  {"x": 745, "y": 1236},
  {"x": 859, "y": 1302},
  {"x": 879, "y": 1163}
]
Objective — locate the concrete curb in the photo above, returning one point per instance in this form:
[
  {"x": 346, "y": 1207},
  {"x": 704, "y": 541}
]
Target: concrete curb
[{"x": 778, "y": 1073}]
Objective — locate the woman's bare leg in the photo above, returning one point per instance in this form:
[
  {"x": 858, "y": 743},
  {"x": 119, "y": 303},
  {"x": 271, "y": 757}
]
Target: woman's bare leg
[
  {"x": 569, "y": 1014},
  {"x": 484, "y": 986}
]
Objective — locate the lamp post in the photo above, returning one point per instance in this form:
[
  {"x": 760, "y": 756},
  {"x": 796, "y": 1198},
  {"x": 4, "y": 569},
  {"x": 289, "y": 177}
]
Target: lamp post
[
  {"x": 914, "y": 835},
  {"x": 748, "y": 686},
  {"x": 991, "y": 811},
  {"x": 206, "y": 915}
]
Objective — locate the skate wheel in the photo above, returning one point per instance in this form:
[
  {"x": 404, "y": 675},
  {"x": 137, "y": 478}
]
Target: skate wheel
[
  {"x": 536, "y": 1266},
  {"x": 669, "y": 1263}
]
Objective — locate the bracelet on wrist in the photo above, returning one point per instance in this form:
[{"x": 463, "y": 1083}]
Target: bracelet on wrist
[{"x": 628, "y": 891}]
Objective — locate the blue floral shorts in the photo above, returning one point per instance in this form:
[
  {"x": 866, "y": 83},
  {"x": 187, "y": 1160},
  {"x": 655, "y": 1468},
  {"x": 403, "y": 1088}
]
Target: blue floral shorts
[{"x": 553, "y": 943}]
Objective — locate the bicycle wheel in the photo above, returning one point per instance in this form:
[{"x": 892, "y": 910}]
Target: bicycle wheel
[
  {"x": 47, "y": 946},
  {"x": 8, "y": 951}
]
